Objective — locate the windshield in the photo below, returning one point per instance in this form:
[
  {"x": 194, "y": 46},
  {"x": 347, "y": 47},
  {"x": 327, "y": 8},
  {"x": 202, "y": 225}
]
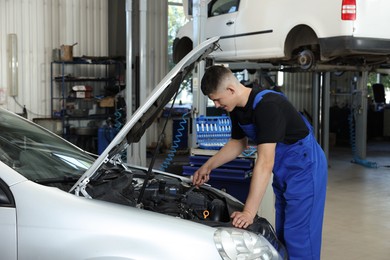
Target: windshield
[{"x": 36, "y": 153}]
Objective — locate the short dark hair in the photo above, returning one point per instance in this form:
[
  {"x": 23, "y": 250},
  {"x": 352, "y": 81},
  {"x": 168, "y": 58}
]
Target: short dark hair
[{"x": 212, "y": 78}]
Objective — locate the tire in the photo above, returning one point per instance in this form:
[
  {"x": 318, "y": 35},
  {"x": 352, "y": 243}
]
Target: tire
[{"x": 181, "y": 47}]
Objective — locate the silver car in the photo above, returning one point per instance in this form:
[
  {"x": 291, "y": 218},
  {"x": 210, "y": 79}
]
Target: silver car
[{"x": 59, "y": 202}]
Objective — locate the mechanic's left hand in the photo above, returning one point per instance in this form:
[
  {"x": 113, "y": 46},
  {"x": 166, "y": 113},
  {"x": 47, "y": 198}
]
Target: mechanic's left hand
[{"x": 241, "y": 219}]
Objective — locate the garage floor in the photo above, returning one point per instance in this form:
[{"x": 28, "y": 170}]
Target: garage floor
[{"x": 357, "y": 213}]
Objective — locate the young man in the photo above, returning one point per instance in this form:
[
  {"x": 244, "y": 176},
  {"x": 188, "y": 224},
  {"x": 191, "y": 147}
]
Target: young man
[{"x": 286, "y": 147}]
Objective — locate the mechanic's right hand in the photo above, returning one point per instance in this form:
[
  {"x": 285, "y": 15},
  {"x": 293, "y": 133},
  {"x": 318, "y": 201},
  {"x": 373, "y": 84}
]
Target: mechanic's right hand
[{"x": 201, "y": 176}]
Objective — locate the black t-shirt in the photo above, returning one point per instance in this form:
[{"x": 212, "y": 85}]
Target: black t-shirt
[{"x": 275, "y": 119}]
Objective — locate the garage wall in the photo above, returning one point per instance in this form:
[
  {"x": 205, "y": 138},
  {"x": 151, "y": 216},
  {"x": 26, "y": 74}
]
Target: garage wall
[
  {"x": 298, "y": 89},
  {"x": 41, "y": 26},
  {"x": 151, "y": 48}
]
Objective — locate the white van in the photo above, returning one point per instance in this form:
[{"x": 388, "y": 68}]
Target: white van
[{"x": 303, "y": 32}]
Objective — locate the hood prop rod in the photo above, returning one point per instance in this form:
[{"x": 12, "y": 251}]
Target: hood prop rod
[{"x": 150, "y": 168}]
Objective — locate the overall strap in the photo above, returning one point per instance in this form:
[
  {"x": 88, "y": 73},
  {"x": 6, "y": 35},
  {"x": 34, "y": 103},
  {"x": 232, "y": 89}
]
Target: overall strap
[{"x": 260, "y": 95}]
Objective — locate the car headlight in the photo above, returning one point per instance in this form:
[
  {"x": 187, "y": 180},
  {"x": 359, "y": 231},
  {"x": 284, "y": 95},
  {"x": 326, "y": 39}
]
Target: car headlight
[{"x": 239, "y": 244}]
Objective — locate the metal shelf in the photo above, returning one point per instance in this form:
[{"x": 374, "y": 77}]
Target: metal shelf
[{"x": 62, "y": 82}]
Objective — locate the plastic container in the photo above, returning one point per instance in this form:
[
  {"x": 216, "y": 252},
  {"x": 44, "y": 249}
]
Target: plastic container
[
  {"x": 221, "y": 173},
  {"x": 105, "y": 136},
  {"x": 233, "y": 177},
  {"x": 238, "y": 163},
  {"x": 235, "y": 182},
  {"x": 237, "y": 188},
  {"x": 212, "y": 132}
]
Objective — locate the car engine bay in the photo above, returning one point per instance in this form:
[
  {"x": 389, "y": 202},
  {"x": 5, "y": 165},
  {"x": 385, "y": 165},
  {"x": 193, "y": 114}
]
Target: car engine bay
[{"x": 163, "y": 194}]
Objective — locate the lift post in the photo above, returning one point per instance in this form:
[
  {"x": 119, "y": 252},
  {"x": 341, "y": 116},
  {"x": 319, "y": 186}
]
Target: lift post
[
  {"x": 325, "y": 113},
  {"x": 360, "y": 113},
  {"x": 316, "y": 97},
  {"x": 199, "y": 100}
]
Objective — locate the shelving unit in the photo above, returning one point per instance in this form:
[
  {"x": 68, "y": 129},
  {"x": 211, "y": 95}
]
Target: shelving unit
[{"x": 83, "y": 95}]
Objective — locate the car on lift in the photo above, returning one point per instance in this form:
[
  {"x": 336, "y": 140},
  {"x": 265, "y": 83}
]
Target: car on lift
[
  {"x": 301, "y": 33},
  {"x": 60, "y": 202}
]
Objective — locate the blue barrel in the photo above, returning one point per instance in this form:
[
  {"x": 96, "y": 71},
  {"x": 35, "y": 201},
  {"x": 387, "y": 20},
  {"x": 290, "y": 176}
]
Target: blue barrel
[{"x": 105, "y": 136}]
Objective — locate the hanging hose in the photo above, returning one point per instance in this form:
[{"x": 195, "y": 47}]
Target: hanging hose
[
  {"x": 352, "y": 138},
  {"x": 251, "y": 150},
  {"x": 118, "y": 126},
  {"x": 113, "y": 126},
  {"x": 117, "y": 122},
  {"x": 175, "y": 143}
]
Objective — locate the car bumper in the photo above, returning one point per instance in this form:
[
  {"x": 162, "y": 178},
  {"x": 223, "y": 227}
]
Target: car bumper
[{"x": 349, "y": 45}]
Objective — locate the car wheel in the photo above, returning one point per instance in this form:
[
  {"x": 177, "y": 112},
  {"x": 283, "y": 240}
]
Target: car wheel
[
  {"x": 181, "y": 47},
  {"x": 306, "y": 59}
]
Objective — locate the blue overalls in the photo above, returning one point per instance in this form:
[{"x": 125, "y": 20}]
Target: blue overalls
[{"x": 299, "y": 183}]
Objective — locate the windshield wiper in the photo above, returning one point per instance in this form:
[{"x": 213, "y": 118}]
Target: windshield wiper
[{"x": 65, "y": 179}]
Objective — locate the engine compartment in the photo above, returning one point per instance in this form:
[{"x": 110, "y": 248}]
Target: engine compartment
[{"x": 163, "y": 194}]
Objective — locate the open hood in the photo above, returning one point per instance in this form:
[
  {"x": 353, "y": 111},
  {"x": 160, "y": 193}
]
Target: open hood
[{"x": 144, "y": 116}]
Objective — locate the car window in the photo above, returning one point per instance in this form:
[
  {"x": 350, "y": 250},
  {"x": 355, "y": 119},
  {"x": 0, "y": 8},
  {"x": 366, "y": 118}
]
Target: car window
[
  {"x": 6, "y": 198},
  {"x": 220, "y": 7},
  {"x": 36, "y": 153}
]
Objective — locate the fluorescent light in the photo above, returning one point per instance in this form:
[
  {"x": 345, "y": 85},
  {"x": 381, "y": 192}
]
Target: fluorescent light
[{"x": 12, "y": 54}]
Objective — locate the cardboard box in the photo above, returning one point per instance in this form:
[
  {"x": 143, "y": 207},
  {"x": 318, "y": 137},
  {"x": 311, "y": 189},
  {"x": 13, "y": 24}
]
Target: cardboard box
[
  {"x": 66, "y": 53},
  {"x": 83, "y": 94},
  {"x": 107, "y": 102}
]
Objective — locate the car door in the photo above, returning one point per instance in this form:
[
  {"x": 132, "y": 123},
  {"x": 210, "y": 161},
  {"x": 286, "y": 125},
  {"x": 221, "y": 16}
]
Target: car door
[
  {"x": 260, "y": 27},
  {"x": 221, "y": 22},
  {"x": 8, "y": 247}
]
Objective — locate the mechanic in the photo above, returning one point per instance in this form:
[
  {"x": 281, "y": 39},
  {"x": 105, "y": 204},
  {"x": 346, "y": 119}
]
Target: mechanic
[{"x": 286, "y": 147}]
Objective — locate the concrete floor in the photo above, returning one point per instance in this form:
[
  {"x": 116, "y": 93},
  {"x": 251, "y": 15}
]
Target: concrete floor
[{"x": 357, "y": 212}]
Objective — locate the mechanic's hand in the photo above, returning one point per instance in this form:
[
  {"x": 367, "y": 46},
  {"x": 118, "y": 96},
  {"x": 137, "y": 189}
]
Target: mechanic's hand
[
  {"x": 241, "y": 219},
  {"x": 201, "y": 176}
]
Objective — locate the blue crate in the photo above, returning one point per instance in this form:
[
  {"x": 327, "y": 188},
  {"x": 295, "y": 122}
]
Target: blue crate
[
  {"x": 238, "y": 163},
  {"x": 237, "y": 188},
  {"x": 236, "y": 182},
  {"x": 213, "y": 132}
]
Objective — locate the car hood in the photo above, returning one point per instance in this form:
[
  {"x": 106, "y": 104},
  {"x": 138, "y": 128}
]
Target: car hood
[
  {"x": 144, "y": 116},
  {"x": 72, "y": 219}
]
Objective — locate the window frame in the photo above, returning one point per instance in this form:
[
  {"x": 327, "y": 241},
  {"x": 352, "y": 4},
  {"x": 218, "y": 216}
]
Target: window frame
[{"x": 234, "y": 3}]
